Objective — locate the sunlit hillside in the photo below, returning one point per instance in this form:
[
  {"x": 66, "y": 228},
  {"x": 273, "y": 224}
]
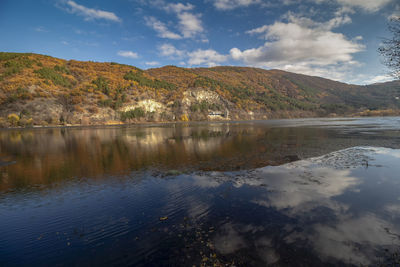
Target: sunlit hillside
[{"x": 42, "y": 90}]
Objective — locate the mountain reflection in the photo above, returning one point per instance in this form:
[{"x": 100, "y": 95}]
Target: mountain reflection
[
  {"x": 44, "y": 156},
  {"x": 341, "y": 208}
]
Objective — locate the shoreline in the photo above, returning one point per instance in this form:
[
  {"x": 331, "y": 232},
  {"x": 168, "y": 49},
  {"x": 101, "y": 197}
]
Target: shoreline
[{"x": 155, "y": 124}]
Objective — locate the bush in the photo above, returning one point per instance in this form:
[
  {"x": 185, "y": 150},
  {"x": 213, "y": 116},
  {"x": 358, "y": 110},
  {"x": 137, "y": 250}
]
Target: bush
[
  {"x": 62, "y": 69},
  {"x": 13, "y": 119},
  {"x": 105, "y": 103},
  {"x": 93, "y": 109},
  {"x": 132, "y": 114},
  {"x": 184, "y": 117},
  {"x": 54, "y": 76},
  {"x": 79, "y": 109},
  {"x": 24, "y": 122},
  {"x": 102, "y": 85},
  {"x": 114, "y": 104},
  {"x": 16, "y": 65},
  {"x": 204, "y": 106},
  {"x": 144, "y": 81},
  {"x": 8, "y": 56}
]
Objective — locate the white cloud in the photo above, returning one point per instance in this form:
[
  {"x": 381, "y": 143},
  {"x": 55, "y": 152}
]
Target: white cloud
[
  {"x": 207, "y": 57},
  {"x": 91, "y": 13},
  {"x": 161, "y": 28},
  {"x": 303, "y": 45},
  {"x": 152, "y": 63},
  {"x": 169, "y": 50},
  {"x": 395, "y": 14},
  {"x": 128, "y": 54},
  {"x": 305, "y": 22},
  {"x": 178, "y": 7},
  {"x": 345, "y": 5},
  {"x": 189, "y": 24},
  {"x": 368, "y": 5},
  {"x": 231, "y": 4},
  {"x": 379, "y": 79}
]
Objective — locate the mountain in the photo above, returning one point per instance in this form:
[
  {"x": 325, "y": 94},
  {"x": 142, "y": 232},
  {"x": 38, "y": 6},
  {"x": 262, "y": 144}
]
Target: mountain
[{"x": 42, "y": 90}]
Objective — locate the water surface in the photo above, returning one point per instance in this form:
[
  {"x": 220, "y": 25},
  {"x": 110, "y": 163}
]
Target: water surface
[{"x": 286, "y": 192}]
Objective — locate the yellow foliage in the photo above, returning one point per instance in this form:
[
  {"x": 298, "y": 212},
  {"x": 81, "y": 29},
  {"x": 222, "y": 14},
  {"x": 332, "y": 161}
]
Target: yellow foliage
[
  {"x": 250, "y": 89},
  {"x": 13, "y": 119},
  {"x": 79, "y": 109},
  {"x": 184, "y": 117},
  {"x": 112, "y": 122},
  {"x": 25, "y": 122}
]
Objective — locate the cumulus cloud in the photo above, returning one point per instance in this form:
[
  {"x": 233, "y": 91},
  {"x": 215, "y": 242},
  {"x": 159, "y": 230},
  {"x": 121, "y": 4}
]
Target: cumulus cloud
[
  {"x": 199, "y": 57},
  {"x": 169, "y": 50},
  {"x": 302, "y": 45},
  {"x": 178, "y": 7},
  {"x": 128, "y": 54},
  {"x": 161, "y": 28},
  {"x": 207, "y": 57},
  {"x": 91, "y": 13},
  {"x": 368, "y": 5},
  {"x": 231, "y": 4},
  {"x": 189, "y": 23}
]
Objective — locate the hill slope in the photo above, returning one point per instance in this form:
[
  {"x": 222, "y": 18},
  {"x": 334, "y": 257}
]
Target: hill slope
[{"x": 42, "y": 90}]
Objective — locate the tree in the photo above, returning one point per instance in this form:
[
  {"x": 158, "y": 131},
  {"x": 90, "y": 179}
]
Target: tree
[{"x": 390, "y": 48}]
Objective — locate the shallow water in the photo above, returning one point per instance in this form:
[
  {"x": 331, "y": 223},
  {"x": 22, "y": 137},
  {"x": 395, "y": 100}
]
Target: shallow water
[{"x": 286, "y": 192}]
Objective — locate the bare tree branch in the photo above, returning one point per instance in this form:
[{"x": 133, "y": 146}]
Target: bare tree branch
[{"x": 390, "y": 48}]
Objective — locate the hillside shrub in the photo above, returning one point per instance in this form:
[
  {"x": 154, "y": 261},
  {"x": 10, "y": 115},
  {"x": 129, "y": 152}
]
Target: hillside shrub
[
  {"x": 62, "y": 69},
  {"x": 54, "y": 76},
  {"x": 144, "y": 81},
  {"x": 102, "y": 85},
  {"x": 15, "y": 65},
  {"x": 132, "y": 114},
  {"x": 13, "y": 119}
]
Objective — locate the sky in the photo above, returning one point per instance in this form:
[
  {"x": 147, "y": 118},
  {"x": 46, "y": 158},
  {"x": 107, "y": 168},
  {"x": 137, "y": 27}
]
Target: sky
[{"x": 335, "y": 39}]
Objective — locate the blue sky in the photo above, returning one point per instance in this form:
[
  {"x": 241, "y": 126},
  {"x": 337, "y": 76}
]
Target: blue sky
[{"x": 336, "y": 39}]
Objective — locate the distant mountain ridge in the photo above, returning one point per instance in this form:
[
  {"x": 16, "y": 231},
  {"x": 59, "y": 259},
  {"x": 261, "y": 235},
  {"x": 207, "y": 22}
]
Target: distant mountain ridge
[{"x": 43, "y": 90}]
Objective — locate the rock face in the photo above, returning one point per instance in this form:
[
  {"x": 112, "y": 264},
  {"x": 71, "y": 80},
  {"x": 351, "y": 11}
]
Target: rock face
[
  {"x": 198, "y": 95},
  {"x": 204, "y": 104},
  {"x": 147, "y": 105}
]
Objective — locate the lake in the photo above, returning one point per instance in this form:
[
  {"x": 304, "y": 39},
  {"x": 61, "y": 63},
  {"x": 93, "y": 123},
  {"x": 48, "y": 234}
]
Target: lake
[{"x": 305, "y": 192}]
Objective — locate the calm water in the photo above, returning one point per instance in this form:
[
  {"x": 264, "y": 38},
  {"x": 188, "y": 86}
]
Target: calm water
[{"x": 286, "y": 192}]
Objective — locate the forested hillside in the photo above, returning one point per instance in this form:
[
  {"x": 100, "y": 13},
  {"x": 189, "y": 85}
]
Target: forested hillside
[{"x": 42, "y": 90}]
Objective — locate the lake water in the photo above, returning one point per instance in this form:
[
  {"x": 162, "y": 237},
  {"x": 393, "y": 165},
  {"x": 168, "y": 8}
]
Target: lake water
[{"x": 305, "y": 192}]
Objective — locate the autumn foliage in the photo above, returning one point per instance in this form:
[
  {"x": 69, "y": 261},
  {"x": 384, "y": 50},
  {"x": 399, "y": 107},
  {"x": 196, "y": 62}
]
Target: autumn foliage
[{"x": 77, "y": 89}]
